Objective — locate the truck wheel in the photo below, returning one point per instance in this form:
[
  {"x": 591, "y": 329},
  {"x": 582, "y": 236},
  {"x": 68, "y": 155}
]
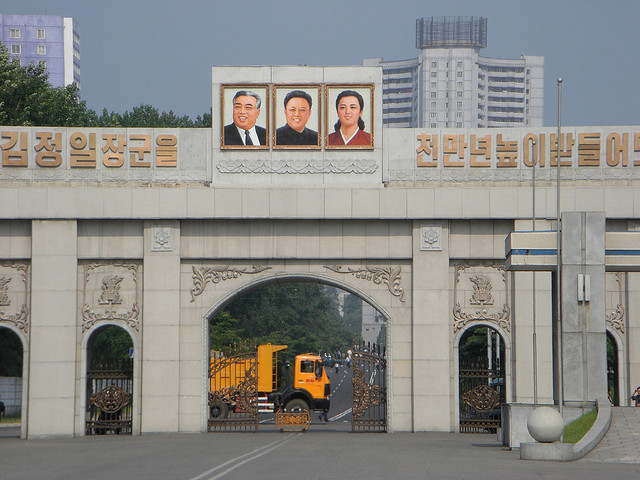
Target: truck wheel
[
  {"x": 219, "y": 410},
  {"x": 296, "y": 405}
]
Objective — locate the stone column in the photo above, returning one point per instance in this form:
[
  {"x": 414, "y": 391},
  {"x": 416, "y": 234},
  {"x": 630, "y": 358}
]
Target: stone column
[
  {"x": 431, "y": 333},
  {"x": 583, "y": 321},
  {"x": 54, "y": 307},
  {"x": 161, "y": 327}
]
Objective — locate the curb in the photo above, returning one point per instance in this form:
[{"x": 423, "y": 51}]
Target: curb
[{"x": 567, "y": 452}]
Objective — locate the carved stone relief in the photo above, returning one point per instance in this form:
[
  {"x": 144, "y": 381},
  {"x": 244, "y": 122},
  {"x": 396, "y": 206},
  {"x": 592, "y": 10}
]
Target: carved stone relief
[
  {"x": 615, "y": 319},
  {"x": 111, "y": 293},
  {"x": 297, "y": 166},
  {"x": 389, "y": 276},
  {"x": 161, "y": 239},
  {"x": 430, "y": 237},
  {"x": 204, "y": 275},
  {"x": 14, "y": 295},
  {"x": 481, "y": 294}
]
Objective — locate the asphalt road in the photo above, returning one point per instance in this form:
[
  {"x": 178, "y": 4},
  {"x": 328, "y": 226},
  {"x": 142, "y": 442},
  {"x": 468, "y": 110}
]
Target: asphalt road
[
  {"x": 317, "y": 454},
  {"x": 327, "y": 451}
]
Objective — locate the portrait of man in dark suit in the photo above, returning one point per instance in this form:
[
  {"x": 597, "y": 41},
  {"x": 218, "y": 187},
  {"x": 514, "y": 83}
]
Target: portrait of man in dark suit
[
  {"x": 297, "y": 111},
  {"x": 243, "y": 130}
]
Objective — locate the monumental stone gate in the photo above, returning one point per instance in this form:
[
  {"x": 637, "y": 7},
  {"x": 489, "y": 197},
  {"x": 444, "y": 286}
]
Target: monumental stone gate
[{"x": 154, "y": 230}]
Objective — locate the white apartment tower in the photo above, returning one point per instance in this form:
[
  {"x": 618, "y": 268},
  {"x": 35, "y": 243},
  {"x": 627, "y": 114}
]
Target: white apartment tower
[{"x": 450, "y": 85}]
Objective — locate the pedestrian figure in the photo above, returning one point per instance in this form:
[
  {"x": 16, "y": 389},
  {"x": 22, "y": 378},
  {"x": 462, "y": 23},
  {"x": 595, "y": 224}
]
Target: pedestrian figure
[
  {"x": 2, "y": 410},
  {"x": 324, "y": 416},
  {"x": 636, "y": 397}
]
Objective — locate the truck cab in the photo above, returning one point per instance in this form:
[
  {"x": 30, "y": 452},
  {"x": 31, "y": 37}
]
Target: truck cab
[{"x": 310, "y": 384}]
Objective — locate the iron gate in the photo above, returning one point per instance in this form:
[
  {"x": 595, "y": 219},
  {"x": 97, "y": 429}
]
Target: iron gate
[
  {"x": 109, "y": 398},
  {"x": 233, "y": 402},
  {"x": 481, "y": 395},
  {"x": 369, "y": 389}
]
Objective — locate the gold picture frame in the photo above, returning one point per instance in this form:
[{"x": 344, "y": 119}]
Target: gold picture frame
[
  {"x": 285, "y": 132},
  {"x": 230, "y": 137},
  {"x": 361, "y": 95}
]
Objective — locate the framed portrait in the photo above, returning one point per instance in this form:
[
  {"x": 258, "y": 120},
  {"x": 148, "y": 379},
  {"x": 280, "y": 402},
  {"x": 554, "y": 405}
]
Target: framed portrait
[
  {"x": 244, "y": 116},
  {"x": 349, "y": 116},
  {"x": 296, "y": 116}
]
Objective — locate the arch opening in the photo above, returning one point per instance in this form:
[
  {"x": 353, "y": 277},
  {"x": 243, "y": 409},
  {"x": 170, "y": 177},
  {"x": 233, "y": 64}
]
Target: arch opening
[
  {"x": 481, "y": 379},
  {"x": 318, "y": 322},
  {"x": 11, "y": 379},
  {"x": 109, "y": 387},
  {"x": 613, "y": 387}
]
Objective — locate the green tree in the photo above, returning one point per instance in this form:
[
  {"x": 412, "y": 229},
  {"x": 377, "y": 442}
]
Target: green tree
[
  {"x": 109, "y": 343},
  {"x": 303, "y": 316},
  {"x": 28, "y": 99}
]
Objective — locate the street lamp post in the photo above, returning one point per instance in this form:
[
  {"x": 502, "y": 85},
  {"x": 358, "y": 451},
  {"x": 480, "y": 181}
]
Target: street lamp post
[{"x": 559, "y": 260}]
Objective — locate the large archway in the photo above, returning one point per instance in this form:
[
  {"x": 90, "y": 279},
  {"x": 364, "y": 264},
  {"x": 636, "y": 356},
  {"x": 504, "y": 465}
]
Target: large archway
[{"x": 319, "y": 319}]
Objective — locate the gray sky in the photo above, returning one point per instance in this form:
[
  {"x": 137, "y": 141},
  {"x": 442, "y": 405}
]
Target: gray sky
[{"x": 161, "y": 52}]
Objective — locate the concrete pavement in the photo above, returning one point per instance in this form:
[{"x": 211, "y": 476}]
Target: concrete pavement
[{"x": 621, "y": 444}]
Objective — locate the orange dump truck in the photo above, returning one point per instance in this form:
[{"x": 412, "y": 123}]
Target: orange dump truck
[{"x": 231, "y": 381}]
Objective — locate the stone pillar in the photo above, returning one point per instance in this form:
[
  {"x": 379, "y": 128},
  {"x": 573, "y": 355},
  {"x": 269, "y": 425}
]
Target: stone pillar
[
  {"x": 432, "y": 326},
  {"x": 161, "y": 327},
  {"x": 54, "y": 307},
  {"x": 583, "y": 321}
]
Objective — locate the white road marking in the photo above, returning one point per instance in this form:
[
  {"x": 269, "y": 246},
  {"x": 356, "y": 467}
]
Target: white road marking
[{"x": 257, "y": 453}]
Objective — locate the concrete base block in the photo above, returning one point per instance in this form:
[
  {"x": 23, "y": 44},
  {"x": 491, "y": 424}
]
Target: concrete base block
[{"x": 558, "y": 452}]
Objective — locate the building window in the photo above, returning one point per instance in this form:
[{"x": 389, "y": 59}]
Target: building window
[
  {"x": 458, "y": 94},
  {"x": 459, "y": 74},
  {"x": 434, "y": 125},
  {"x": 459, "y": 104},
  {"x": 434, "y": 64},
  {"x": 434, "y": 115},
  {"x": 459, "y": 84},
  {"x": 433, "y": 94},
  {"x": 41, "y": 34},
  {"x": 458, "y": 114},
  {"x": 434, "y": 74},
  {"x": 43, "y": 64},
  {"x": 434, "y": 105},
  {"x": 16, "y": 49},
  {"x": 433, "y": 84},
  {"x": 459, "y": 64},
  {"x": 14, "y": 33},
  {"x": 459, "y": 124},
  {"x": 42, "y": 49}
]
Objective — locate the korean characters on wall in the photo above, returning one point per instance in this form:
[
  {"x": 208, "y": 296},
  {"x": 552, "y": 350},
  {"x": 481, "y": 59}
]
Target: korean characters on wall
[{"x": 296, "y": 116}]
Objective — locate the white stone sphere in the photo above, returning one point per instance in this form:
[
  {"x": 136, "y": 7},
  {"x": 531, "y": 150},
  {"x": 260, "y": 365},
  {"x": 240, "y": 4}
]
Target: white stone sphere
[{"x": 545, "y": 424}]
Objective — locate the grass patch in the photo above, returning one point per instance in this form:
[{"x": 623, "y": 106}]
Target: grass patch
[
  {"x": 10, "y": 420},
  {"x": 574, "y": 431}
]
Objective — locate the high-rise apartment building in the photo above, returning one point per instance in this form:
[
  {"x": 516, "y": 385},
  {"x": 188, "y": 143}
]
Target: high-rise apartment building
[
  {"x": 51, "y": 39},
  {"x": 450, "y": 85}
]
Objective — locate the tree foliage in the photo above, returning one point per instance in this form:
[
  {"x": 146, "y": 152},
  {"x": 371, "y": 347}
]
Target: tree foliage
[
  {"x": 28, "y": 99},
  {"x": 303, "y": 316},
  {"x": 108, "y": 344}
]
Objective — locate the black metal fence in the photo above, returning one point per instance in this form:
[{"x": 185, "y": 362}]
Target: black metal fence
[
  {"x": 481, "y": 392},
  {"x": 109, "y": 398},
  {"x": 369, "y": 388}
]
